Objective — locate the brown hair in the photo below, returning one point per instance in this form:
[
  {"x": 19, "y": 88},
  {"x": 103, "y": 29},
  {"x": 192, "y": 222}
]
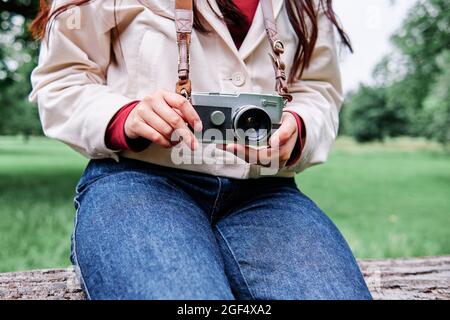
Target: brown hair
[{"x": 300, "y": 12}]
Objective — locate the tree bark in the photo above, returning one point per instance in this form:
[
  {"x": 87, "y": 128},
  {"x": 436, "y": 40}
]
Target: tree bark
[{"x": 399, "y": 279}]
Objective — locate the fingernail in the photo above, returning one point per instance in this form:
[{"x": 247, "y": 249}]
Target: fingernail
[
  {"x": 194, "y": 145},
  {"x": 198, "y": 126}
]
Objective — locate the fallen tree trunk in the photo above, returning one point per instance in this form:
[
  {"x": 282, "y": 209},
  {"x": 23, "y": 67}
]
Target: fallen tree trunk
[
  {"x": 408, "y": 279},
  {"x": 400, "y": 279}
]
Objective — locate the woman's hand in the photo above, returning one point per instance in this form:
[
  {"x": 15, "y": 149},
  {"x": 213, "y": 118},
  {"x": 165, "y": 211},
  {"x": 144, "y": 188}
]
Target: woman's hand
[
  {"x": 281, "y": 145},
  {"x": 161, "y": 118}
]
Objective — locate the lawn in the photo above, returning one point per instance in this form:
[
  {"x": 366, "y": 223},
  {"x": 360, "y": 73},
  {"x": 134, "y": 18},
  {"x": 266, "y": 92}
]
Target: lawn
[{"x": 389, "y": 200}]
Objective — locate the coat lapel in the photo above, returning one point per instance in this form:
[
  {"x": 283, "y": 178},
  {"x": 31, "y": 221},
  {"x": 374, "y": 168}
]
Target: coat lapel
[
  {"x": 208, "y": 11},
  {"x": 257, "y": 30},
  {"x": 254, "y": 37}
]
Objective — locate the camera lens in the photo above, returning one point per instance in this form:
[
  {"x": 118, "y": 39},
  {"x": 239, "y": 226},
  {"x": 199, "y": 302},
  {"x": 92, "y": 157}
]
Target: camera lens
[{"x": 252, "y": 124}]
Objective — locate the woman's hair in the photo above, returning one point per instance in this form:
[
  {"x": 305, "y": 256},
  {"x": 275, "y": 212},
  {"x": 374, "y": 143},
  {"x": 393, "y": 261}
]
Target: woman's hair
[{"x": 303, "y": 16}]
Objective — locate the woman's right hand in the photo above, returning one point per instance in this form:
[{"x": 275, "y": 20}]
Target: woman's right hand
[{"x": 161, "y": 118}]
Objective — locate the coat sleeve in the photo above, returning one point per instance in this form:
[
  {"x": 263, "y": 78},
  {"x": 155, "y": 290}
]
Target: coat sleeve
[
  {"x": 318, "y": 99},
  {"x": 69, "y": 84}
]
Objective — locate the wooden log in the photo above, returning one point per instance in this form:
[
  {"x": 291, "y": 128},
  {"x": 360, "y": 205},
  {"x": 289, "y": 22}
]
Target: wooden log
[
  {"x": 408, "y": 279},
  {"x": 399, "y": 279},
  {"x": 57, "y": 284}
]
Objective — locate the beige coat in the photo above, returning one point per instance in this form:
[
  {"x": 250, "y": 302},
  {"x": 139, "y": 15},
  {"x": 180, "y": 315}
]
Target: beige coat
[{"x": 84, "y": 77}]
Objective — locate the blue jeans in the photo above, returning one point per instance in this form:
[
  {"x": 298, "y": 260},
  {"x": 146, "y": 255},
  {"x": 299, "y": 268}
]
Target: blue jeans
[{"x": 149, "y": 232}]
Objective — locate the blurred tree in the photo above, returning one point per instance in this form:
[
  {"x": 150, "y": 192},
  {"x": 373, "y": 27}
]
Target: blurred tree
[
  {"x": 19, "y": 115},
  {"x": 368, "y": 116},
  {"x": 410, "y": 78},
  {"x": 18, "y": 55},
  {"x": 437, "y": 104},
  {"x": 423, "y": 37}
]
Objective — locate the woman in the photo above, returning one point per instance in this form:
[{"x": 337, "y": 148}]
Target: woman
[{"x": 215, "y": 224}]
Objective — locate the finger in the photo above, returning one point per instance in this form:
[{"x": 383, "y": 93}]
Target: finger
[
  {"x": 285, "y": 132},
  {"x": 185, "y": 136},
  {"x": 179, "y": 112},
  {"x": 151, "y": 134},
  {"x": 282, "y": 135},
  {"x": 156, "y": 122},
  {"x": 285, "y": 151},
  {"x": 180, "y": 130},
  {"x": 268, "y": 157},
  {"x": 182, "y": 104}
]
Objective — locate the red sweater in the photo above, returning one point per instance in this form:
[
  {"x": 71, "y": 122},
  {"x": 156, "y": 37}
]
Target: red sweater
[{"x": 115, "y": 135}]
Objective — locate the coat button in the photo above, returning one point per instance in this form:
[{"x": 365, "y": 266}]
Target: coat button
[{"x": 238, "y": 79}]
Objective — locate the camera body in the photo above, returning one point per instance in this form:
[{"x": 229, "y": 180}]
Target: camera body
[{"x": 241, "y": 118}]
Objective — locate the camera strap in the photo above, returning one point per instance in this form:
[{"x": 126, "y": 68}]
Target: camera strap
[
  {"x": 184, "y": 19},
  {"x": 277, "y": 50}
]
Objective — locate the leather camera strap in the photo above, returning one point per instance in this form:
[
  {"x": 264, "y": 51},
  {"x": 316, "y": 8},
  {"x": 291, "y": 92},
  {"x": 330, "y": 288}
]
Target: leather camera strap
[
  {"x": 277, "y": 50},
  {"x": 184, "y": 18}
]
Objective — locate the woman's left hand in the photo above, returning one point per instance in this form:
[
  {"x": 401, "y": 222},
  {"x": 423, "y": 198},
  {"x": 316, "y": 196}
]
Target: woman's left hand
[{"x": 281, "y": 145}]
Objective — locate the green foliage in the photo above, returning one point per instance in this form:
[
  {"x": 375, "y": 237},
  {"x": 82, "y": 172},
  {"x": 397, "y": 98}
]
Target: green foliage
[
  {"x": 411, "y": 78},
  {"x": 424, "y": 35},
  {"x": 18, "y": 116},
  {"x": 18, "y": 55},
  {"x": 437, "y": 104},
  {"x": 369, "y": 117}
]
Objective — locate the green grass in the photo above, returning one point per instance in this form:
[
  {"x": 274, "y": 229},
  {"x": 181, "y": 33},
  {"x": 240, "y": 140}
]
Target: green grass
[
  {"x": 37, "y": 183},
  {"x": 389, "y": 200}
]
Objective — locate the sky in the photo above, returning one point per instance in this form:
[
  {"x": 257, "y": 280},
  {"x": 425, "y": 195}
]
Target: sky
[{"x": 369, "y": 24}]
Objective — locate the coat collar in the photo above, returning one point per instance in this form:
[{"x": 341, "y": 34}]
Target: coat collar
[
  {"x": 257, "y": 30},
  {"x": 254, "y": 36}
]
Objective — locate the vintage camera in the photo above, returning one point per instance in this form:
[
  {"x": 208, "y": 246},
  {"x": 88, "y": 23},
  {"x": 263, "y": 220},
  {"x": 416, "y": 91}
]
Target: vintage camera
[{"x": 242, "y": 118}]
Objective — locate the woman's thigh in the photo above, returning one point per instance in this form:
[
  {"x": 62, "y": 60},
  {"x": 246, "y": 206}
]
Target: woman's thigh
[
  {"x": 137, "y": 236},
  {"x": 280, "y": 245}
]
